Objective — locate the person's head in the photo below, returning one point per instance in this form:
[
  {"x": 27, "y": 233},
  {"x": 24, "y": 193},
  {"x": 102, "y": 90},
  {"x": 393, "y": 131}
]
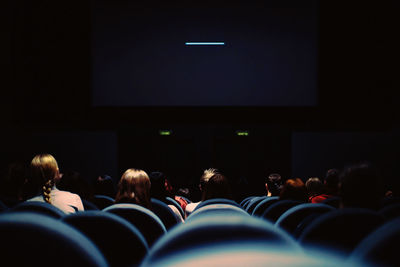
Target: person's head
[
  {"x": 158, "y": 189},
  {"x": 13, "y": 180},
  {"x": 43, "y": 173},
  {"x": 73, "y": 182},
  {"x": 294, "y": 189},
  {"x": 207, "y": 174},
  {"x": 314, "y": 186},
  {"x": 134, "y": 187},
  {"x": 331, "y": 182},
  {"x": 361, "y": 186},
  {"x": 104, "y": 185},
  {"x": 217, "y": 187},
  {"x": 273, "y": 184}
]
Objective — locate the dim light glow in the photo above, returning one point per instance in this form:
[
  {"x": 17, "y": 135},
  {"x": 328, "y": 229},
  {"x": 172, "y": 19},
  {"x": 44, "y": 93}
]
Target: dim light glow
[
  {"x": 165, "y": 132},
  {"x": 242, "y": 133}
]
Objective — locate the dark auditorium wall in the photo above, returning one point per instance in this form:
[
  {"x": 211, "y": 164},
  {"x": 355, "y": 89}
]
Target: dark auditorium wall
[{"x": 46, "y": 96}]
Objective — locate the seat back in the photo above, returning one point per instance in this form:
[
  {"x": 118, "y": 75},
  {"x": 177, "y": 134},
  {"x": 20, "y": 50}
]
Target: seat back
[
  {"x": 39, "y": 207},
  {"x": 87, "y": 205},
  {"x": 165, "y": 213},
  {"x": 380, "y": 247},
  {"x": 32, "y": 239},
  {"x": 216, "y": 201},
  {"x": 214, "y": 229},
  {"x": 390, "y": 212},
  {"x": 263, "y": 205},
  {"x": 253, "y": 203},
  {"x": 245, "y": 201},
  {"x": 341, "y": 229},
  {"x": 217, "y": 209},
  {"x": 292, "y": 218},
  {"x": 102, "y": 201},
  {"x": 143, "y": 219},
  {"x": 277, "y": 209},
  {"x": 171, "y": 201},
  {"x": 332, "y": 201},
  {"x": 121, "y": 243}
]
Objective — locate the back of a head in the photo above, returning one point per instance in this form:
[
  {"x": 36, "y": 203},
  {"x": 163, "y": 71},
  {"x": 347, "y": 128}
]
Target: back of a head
[
  {"x": 207, "y": 174},
  {"x": 314, "y": 186},
  {"x": 104, "y": 185},
  {"x": 217, "y": 187},
  {"x": 361, "y": 187},
  {"x": 158, "y": 189},
  {"x": 294, "y": 189},
  {"x": 12, "y": 182},
  {"x": 73, "y": 182},
  {"x": 43, "y": 172},
  {"x": 134, "y": 187},
  {"x": 331, "y": 182},
  {"x": 274, "y": 182}
]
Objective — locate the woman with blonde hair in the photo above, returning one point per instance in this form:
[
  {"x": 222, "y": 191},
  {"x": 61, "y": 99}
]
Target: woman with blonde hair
[
  {"x": 44, "y": 173},
  {"x": 134, "y": 187}
]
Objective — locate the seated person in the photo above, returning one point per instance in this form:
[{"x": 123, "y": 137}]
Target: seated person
[
  {"x": 44, "y": 173},
  {"x": 207, "y": 174}
]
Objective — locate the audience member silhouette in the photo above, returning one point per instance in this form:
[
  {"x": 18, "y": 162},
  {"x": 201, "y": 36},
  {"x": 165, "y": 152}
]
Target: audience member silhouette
[
  {"x": 294, "y": 189},
  {"x": 44, "y": 172},
  {"x": 158, "y": 191},
  {"x": 207, "y": 174},
  {"x": 104, "y": 185},
  {"x": 273, "y": 184},
  {"x": 361, "y": 186},
  {"x": 217, "y": 187},
  {"x": 314, "y": 188},
  {"x": 12, "y": 184},
  {"x": 73, "y": 182},
  {"x": 134, "y": 187}
]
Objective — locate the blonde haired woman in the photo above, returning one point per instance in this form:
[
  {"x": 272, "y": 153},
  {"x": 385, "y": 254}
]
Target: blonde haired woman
[
  {"x": 44, "y": 173},
  {"x": 134, "y": 187}
]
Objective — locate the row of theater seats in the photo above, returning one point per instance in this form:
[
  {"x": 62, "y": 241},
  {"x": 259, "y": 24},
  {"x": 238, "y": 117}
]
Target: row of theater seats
[{"x": 219, "y": 232}]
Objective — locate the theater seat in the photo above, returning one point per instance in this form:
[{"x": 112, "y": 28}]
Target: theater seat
[
  {"x": 216, "y": 209},
  {"x": 87, "y": 205},
  {"x": 341, "y": 229},
  {"x": 277, "y": 209},
  {"x": 165, "y": 213},
  {"x": 121, "y": 243},
  {"x": 216, "y": 201},
  {"x": 102, "y": 202},
  {"x": 390, "y": 212},
  {"x": 213, "y": 229},
  {"x": 292, "y": 218},
  {"x": 245, "y": 201},
  {"x": 143, "y": 219},
  {"x": 171, "y": 201},
  {"x": 32, "y": 239},
  {"x": 381, "y": 247},
  {"x": 249, "y": 253},
  {"x": 264, "y": 205},
  {"x": 39, "y": 207},
  {"x": 253, "y": 203}
]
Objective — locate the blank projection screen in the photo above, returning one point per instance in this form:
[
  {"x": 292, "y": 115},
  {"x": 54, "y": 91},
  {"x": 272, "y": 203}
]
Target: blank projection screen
[{"x": 235, "y": 54}]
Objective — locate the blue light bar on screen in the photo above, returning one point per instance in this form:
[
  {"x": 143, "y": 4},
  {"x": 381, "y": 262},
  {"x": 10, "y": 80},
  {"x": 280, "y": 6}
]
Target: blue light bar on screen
[{"x": 205, "y": 43}]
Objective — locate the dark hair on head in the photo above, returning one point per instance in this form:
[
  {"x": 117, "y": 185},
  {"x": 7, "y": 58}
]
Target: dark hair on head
[
  {"x": 158, "y": 189},
  {"x": 331, "y": 182},
  {"x": 294, "y": 189},
  {"x": 361, "y": 186},
  {"x": 73, "y": 182},
  {"x": 314, "y": 186},
  {"x": 274, "y": 182},
  {"x": 104, "y": 185},
  {"x": 12, "y": 182},
  {"x": 217, "y": 187}
]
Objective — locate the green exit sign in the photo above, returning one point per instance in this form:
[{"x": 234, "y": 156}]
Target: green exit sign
[
  {"x": 165, "y": 132},
  {"x": 242, "y": 133}
]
